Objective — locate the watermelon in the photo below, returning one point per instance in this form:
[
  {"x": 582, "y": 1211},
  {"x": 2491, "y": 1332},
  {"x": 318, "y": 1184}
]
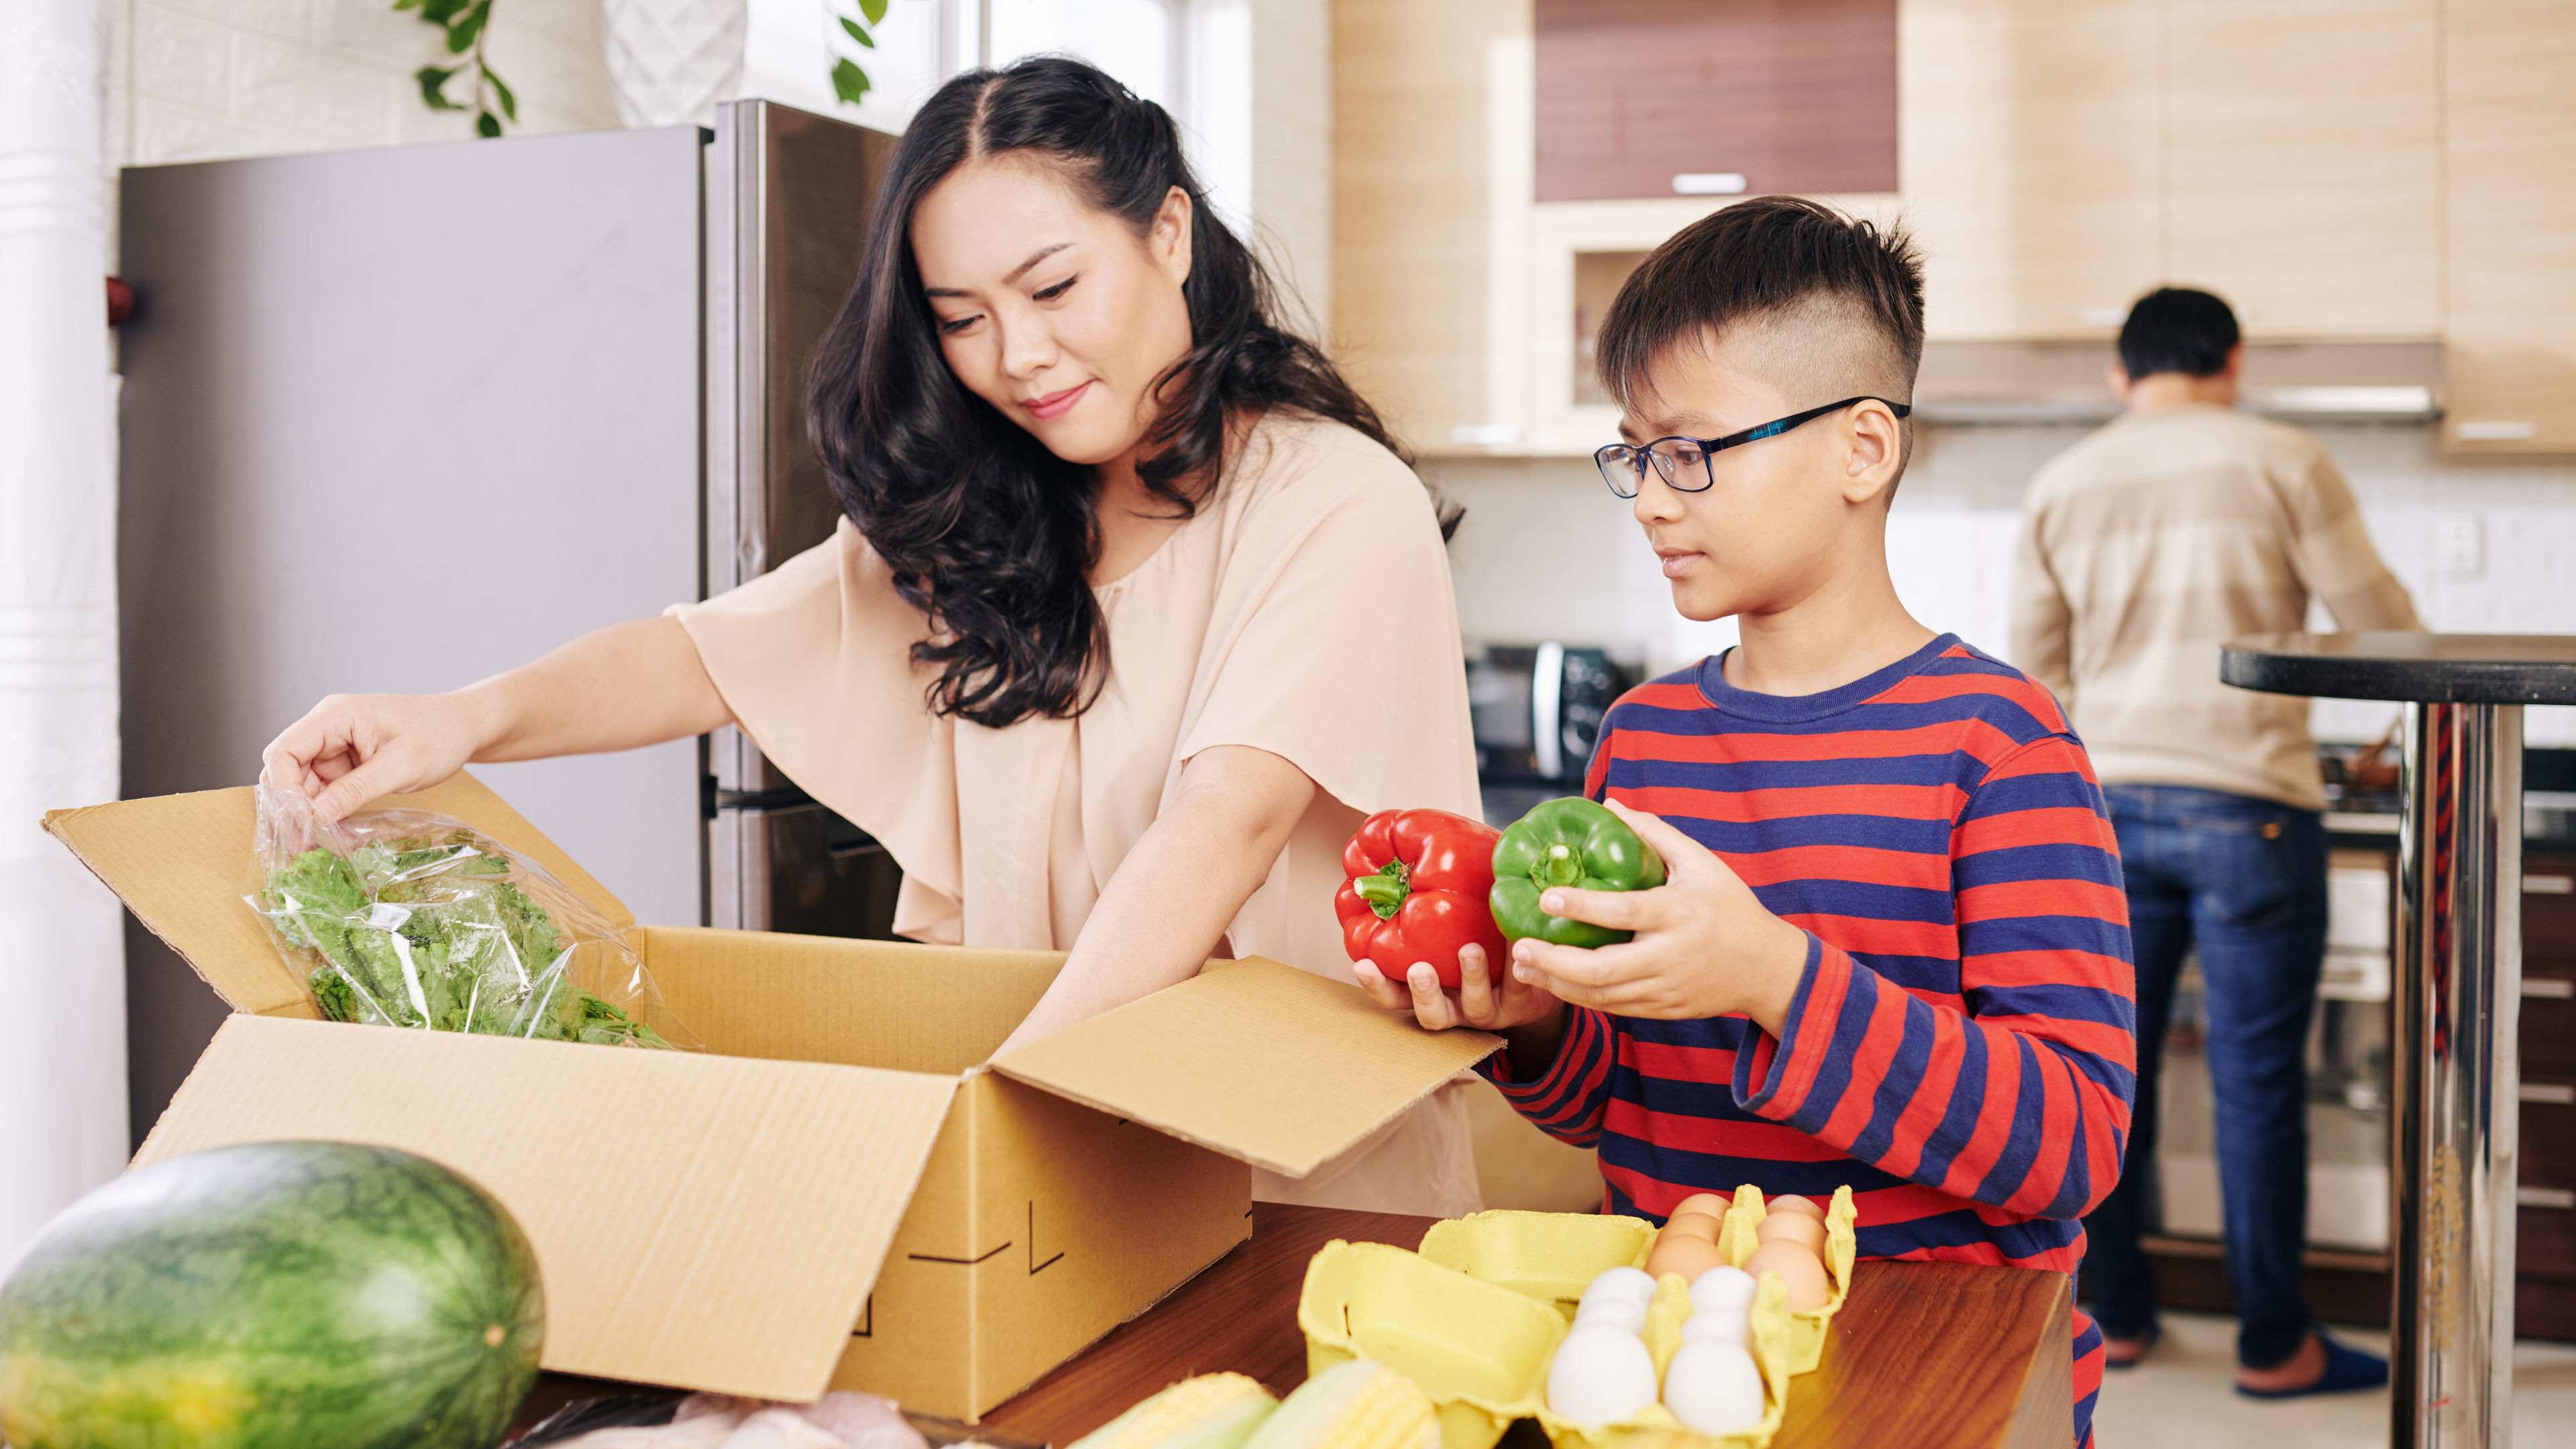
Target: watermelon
[{"x": 278, "y": 1295}]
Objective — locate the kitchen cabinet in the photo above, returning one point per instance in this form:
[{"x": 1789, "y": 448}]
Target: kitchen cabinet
[
  {"x": 2509, "y": 155},
  {"x": 1411, "y": 236},
  {"x": 2302, "y": 162},
  {"x": 1760, "y": 96},
  {"x": 2338, "y": 169},
  {"x": 1454, "y": 304},
  {"x": 2354, "y": 1286},
  {"x": 2062, "y": 156},
  {"x": 2545, "y": 1224},
  {"x": 2031, "y": 166}
]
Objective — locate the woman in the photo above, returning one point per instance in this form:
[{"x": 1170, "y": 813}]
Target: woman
[{"x": 1134, "y": 613}]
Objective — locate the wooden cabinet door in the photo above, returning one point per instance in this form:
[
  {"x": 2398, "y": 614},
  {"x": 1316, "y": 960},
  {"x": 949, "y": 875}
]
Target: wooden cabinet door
[
  {"x": 1411, "y": 235},
  {"x": 2303, "y": 162},
  {"x": 2032, "y": 161},
  {"x": 1792, "y": 95},
  {"x": 2510, "y": 137}
]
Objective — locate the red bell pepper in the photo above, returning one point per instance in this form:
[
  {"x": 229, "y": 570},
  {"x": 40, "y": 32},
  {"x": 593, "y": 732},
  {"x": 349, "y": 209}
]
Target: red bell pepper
[{"x": 1418, "y": 889}]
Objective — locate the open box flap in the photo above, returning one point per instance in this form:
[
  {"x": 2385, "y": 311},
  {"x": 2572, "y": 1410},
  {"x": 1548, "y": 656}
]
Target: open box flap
[
  {"x": 711, "y": 1223},
  {"x": 1264, "y": 1062},
  {"x": 181, "y": 863}
]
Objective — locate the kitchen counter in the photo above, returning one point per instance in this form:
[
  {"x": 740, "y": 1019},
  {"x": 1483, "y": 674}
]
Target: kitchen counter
[
  {"x": 2432, "y": 668},
  {"x": 1928, "y": 1355}
]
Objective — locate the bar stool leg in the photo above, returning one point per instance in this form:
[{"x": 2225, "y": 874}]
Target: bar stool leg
[{"x": 2456, "y": 1127}]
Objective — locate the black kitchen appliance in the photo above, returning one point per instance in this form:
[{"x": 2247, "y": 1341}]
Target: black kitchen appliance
[{"x": 1537, "y": 710}]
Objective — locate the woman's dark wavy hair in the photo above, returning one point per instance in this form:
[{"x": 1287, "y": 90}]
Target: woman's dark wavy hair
[{"x": 983, "y": 529}]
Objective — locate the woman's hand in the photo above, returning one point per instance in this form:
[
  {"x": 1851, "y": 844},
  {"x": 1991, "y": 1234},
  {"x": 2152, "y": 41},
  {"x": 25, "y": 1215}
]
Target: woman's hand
[
  {"x": 1487, "y": 998},
  {"x": 1530, "y": 1018},
  {"x": 619, "y": 688},
  {"x": 353, "y": 748}
]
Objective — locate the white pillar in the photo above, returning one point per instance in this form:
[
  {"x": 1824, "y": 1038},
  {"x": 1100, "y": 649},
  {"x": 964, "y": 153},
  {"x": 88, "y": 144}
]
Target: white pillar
[{"x": 62, "y": 955}]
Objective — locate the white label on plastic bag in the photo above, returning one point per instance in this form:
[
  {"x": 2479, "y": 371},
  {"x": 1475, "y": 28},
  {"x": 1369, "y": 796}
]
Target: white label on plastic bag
[{"x": 389, "y": 919}]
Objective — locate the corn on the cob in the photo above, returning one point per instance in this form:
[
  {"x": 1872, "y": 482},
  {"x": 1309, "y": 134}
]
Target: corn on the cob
[
  {"x": 1212, "y": 1411},
  {"x": 1355, "y": 1405}
]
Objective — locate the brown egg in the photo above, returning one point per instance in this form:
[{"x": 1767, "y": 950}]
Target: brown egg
[
  {"x": 1801, "y": 1272},
  {"x": 1709, "y": 1204},
  {"x": 1690, "y": 1225},
  {"x": 1688, "y": 1256},
  {"x": 1806, "y": 1232},
  {"x": 1803, "y": 1206}
]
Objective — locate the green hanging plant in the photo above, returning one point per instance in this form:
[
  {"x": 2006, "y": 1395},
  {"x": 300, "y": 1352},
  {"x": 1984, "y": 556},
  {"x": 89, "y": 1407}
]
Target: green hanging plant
[
  {"x": 468, "y": 24},
  {"x": 848, "y": 81}
]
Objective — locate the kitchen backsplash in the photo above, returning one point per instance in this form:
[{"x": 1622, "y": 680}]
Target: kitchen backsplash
[{"x": 2486, "y": 546}]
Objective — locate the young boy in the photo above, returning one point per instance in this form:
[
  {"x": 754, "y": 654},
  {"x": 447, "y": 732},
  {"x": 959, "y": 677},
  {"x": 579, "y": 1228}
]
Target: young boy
[{"x": 1893, "y": 950}]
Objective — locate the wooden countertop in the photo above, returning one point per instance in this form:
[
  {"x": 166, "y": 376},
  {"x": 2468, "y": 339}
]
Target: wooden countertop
[{"x": 1927, "y": 1355}]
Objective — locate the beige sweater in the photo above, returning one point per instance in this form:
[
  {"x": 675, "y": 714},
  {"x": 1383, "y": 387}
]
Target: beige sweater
[{"x": 2149, "y": 543}]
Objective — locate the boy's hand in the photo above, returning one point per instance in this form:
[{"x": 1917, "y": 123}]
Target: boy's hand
[
  {"x": 1704, "y": 945},
  {"x": 1487, "y": 998}
]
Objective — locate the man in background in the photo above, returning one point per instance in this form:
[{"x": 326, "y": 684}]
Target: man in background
[{"x": 2179, "y": 525}]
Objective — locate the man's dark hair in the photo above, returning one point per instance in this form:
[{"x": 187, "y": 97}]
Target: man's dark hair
[
  {"x": 2177, "y": 329},
  {"x": 1853, "y": 288}
]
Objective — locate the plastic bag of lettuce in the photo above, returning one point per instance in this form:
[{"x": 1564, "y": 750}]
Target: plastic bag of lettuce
[{"x": 405, "y": 918}]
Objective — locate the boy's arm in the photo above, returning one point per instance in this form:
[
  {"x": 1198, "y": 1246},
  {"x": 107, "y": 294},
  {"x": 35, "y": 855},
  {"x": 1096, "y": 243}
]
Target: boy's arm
[
  {"x": 2022, "y": 1100},
  {"x": 1564, "y": 1093}
]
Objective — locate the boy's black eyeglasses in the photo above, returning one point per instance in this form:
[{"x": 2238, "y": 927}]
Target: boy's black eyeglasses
[{"x": 1682, "y": 460}]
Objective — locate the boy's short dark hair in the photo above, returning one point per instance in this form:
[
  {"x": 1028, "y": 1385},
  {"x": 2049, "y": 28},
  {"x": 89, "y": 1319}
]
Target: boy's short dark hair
[
  {"x": 1776, "y": 259},
  {"x": 2177, "y": 329}
]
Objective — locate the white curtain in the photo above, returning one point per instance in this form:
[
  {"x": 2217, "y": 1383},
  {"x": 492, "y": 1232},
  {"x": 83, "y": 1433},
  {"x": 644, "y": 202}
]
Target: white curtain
[{"x": 62, "y": 955}]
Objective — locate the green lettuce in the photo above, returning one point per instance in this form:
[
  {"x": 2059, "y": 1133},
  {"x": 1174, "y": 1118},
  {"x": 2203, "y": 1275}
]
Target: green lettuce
[{"x": 421, "y": 933}]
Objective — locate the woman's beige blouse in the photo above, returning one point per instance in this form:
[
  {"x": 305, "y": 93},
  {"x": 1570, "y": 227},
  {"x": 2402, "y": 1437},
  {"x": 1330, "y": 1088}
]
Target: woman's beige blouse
[{"x": 1305, "y": 610}]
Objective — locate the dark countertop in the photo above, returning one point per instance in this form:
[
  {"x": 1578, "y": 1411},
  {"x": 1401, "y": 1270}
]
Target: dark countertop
[{"x": 2440, "y": 668}]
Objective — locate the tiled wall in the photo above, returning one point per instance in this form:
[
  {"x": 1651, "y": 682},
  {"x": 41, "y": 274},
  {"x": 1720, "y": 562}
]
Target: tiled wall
[
  {"x": 199, "y": 80},
  {"x": 1547, "y": 553}
]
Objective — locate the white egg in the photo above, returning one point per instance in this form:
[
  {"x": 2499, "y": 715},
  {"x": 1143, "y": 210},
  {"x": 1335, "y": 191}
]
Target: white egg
[
  {"x": 1713, "y": 1386},
  {"x": 1618, "y": 1313},
  {"x": 1601, "y": 1375},
  {"x": 1722, "y": 1287},
  {"x": 1617, "y": 1285},
  {"x": 1726, "y": 1325}
]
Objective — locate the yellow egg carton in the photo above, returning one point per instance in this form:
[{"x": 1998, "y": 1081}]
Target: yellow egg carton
[{"x": 1475, "y": 1316}]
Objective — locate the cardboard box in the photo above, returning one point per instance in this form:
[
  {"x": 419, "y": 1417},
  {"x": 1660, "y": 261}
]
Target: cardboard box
[{"x": 841, "y": 1192}]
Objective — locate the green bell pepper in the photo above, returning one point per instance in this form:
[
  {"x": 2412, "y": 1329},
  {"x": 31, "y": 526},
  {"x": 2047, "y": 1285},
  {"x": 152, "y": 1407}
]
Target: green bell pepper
[{"x": 1569, "y": 842}]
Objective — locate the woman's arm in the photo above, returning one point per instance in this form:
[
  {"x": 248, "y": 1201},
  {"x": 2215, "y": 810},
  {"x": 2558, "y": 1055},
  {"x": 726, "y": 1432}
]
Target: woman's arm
[
  {"x": 1179, "y": 888},
  {"x": 631, "y": 684}
]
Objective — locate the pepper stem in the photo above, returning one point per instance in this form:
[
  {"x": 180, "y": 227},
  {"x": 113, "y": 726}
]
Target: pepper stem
[
  {"x": 1561, "y": 866},
  {"x": 1386, "y": 890}
]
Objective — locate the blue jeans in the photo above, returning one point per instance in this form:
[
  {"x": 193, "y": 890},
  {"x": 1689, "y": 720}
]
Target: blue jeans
[{"x": 2244, "y": 880}]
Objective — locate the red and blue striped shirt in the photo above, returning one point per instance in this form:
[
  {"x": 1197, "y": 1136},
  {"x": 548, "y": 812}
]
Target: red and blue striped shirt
[{"x": 1961, "y": 1048}]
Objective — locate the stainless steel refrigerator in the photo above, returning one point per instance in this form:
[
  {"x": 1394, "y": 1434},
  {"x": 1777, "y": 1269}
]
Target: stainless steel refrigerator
[{"x": 395, "y": 420}]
